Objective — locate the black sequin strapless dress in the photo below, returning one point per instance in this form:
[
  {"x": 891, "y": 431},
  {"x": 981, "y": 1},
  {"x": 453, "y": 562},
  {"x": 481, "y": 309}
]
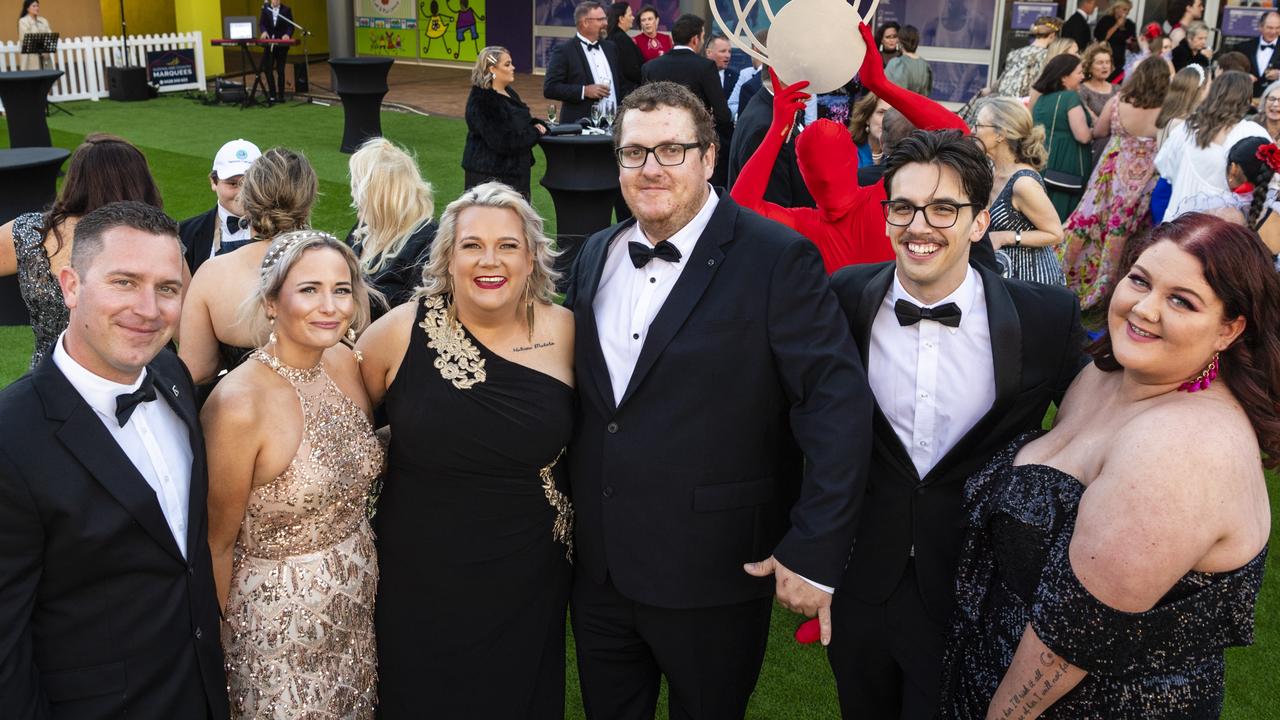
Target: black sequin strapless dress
[{"x": 1164, "y": 663}]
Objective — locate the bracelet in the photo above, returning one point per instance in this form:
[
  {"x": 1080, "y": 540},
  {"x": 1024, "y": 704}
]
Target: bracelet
[{"x": 1017, "y": 238}]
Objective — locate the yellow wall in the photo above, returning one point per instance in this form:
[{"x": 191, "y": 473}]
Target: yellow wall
[
  {"x": 310, "y": 14},
  {"x": 145, "y": 17},
  {"x": 206, "y": 17}
]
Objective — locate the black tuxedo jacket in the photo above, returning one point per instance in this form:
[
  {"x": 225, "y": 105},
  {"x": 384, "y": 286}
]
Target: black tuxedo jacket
[
  {"x": 730, "y": 81},
  {"x": 1250, "y": 50},
  {"x": 279, "y": 29},
  {"x": 1077, "y": 28},
  {"x": 744, "y": 432},
  {"x": 1037, "y": 349},
  {"x": 568, "y": 72},
  {"x": 700, "y": 75},
  {"x": 100, "y": 614},
  {"x": 196, "y": 234}
]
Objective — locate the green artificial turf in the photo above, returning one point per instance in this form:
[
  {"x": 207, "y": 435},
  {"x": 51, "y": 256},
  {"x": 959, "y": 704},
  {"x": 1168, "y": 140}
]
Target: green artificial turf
[{"x": 180, "y": 136}]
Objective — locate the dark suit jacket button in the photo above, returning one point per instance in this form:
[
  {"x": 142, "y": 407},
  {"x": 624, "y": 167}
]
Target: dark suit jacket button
[
  {"x": 920, "y": 491},
  {"x": 190, "y": 569},
  {"x": 199, "y": 634},
  {"x": 612, "y": 427},
  {"x": 608, "y": 491}
]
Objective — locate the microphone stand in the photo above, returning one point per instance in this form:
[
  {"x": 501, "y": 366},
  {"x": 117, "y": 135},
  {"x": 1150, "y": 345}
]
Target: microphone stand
[{"x": 306, "y": 58}]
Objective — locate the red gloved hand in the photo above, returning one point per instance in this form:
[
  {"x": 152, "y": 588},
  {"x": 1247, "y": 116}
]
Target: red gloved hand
[
  {"x": 808, "y": 632},
  {"x": 872, "y": 70},
  {"x": 786, "y": 103}
]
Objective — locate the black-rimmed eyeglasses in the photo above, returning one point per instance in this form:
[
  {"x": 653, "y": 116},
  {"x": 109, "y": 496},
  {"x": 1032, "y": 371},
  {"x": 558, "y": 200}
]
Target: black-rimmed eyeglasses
[
  {"x": 939, "y": 215},
  {"x": 668, "y": 154}
]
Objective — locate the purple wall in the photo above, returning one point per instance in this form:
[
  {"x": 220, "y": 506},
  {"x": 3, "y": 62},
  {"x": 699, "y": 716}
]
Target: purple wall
[{"x": 512, "y": 28}]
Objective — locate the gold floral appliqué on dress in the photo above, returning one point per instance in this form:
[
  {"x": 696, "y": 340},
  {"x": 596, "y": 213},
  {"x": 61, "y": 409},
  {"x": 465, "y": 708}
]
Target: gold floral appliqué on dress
[
  {"x": 562, "y": 530},
  {"x": 457, "y": 359}
]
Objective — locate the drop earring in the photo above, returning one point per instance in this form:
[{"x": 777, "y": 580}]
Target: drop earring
[
  {"x": 1204, "y": 379},
  {"x": 271, "y": 338},
  {"x": 528, "y": 309}
]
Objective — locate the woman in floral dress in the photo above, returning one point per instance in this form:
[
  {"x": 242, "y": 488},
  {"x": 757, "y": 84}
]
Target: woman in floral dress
[{"x": 1116, "y": 202}]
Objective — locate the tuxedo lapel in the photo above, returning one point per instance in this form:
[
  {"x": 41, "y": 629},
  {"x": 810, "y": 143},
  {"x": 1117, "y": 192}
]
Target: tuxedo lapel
[
  {"x": 592, "y": 262},
  {"x": 87, "y": 439},
  {"x": 1006, "y": 357},
  {"x": 170, "y": 387},
  {"x": 701, "y": 266},
  {"x": 872, "y": 296}
]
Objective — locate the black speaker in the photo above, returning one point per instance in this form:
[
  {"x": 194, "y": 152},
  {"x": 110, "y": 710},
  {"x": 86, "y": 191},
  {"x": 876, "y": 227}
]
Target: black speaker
[
  {"x": 300, "y": 84},
  {"x": 229, "y": 92},
  {"x": 127, "y": 83}
]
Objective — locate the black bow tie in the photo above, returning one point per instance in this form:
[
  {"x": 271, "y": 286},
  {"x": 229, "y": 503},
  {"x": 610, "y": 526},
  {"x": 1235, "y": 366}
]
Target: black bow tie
[
  {"x": 592, "y": 46},
  {"x": 233, "y": 224},
  {"x": 126, "y": 403},
  {"x": 641, "y": 253},
  {"x": 1267, "y": 46},
  {"x": 909, "y": 313}
]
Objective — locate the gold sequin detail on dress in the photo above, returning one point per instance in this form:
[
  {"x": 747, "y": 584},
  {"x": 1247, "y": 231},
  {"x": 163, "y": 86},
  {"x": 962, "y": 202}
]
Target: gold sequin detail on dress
[
  {"x": 457, "y": 359},
  {"x": 562, "y": 530},
  {"x": 298, "y": 632}
]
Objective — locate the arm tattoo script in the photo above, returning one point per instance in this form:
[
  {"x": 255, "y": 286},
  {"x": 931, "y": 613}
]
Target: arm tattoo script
[{"x": 1026, "y": 699}]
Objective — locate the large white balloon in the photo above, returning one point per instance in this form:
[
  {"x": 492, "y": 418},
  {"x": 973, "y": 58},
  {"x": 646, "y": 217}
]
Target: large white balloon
[{"x": 818, "y": 41}]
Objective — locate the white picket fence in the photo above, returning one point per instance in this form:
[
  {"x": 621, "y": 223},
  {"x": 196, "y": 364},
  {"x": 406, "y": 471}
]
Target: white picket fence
[{"x": 86, "y": 59}]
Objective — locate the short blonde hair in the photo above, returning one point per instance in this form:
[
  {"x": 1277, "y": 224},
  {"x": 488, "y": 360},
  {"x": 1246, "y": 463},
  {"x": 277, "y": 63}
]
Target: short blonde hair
[
  {"x": 1012, "y": 120},
  {"x": 436, "y": 279},
  {"x": 481, "y": 74},
  {"x": 283, "y": 254},
  {"x": 1117, "y": 4},
  {"x": 1062, "y": 46},
  {"x": 391, "y": 200}
]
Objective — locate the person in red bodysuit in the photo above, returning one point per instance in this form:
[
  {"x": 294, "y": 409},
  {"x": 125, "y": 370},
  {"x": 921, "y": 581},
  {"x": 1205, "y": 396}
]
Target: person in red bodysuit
[{"x": 848, "y": 225}]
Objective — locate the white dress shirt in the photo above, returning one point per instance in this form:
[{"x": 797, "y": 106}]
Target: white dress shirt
[
  {"x": 600, "y": 72},
  {"x": 155, "y": 439},
  {"x": 1264, "y": 54},
  {"x": 221, "y": 235},
  {"x": 629, "y": 298},
  {"x": 932, "y": 382}
]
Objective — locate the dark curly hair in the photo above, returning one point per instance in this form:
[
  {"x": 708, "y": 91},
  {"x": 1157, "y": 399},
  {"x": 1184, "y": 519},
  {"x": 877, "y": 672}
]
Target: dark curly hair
[{"x": 1239, "y": 269}]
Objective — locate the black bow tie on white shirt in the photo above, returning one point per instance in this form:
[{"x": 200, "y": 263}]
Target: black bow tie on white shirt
[
  {"x": 233, "y": 224},
  {"x": 641, "y": 253},
  {"x": 592, "y": 46},
  {"x": 128, "y": 402},
  {"x": 1267, "y": 46},
  {"x": 909, "y": 313}
]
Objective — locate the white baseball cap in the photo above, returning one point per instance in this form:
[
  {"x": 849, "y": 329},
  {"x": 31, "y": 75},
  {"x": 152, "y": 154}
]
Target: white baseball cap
[{"x": 234, "y": 158}]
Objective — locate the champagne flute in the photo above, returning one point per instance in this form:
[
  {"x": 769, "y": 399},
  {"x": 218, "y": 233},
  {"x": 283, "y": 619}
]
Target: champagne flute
[
  {"x": 552, "y": 112},
  {"x": 597, "y": 112},
  {"x": 610, "y": 112}
]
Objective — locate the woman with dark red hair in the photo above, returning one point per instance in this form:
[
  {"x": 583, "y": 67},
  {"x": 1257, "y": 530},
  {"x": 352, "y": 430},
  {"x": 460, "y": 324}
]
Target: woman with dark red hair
[
  {"x": 1109, "y": 562},
  {"x": 848, "y": 225}
]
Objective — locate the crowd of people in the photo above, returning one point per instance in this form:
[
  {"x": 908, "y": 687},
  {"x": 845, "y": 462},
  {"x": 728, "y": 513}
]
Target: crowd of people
[{"x": 258, "y": 470}]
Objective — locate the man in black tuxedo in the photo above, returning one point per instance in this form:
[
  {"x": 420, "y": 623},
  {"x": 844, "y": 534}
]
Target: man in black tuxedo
[
  {"x": 275, "y": 23},
  {"x": 219, "y": 230},
  {"x": 1077, "y": 26},
  {"x": 722, "y": 434},
  {"x": 786, "y": 185},
  {"x": 960, "y": 362},
  {"x": 584, "y": 70},
  {"x": 1261, "y": 52},
  {"x": 719, "y": 51},
  {"x": 683, "y": 64},
  {"x": 107, "y": 604}
]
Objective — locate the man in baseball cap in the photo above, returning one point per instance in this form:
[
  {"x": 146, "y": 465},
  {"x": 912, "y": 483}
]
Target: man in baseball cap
[{"x": 220, "y": 230}]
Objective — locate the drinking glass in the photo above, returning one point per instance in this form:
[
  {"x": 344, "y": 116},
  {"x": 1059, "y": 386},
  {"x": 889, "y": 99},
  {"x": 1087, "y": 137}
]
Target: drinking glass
[
  {"x": 597, "y": 112},
  {"x": 552, "y": 112}
]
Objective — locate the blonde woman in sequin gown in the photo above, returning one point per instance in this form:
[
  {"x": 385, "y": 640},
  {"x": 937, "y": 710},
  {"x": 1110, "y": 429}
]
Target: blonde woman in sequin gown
[
  {"x": 292, "y": 456},
  {"x": 474, "y": 532}
]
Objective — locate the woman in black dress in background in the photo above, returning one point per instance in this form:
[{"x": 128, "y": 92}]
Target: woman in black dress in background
[
  {"x": 621, "y": 19},
  {"x": 500, "y": 131},
  {"x": 474, "y": 534},
  {"x": 1110, "y": 562}
]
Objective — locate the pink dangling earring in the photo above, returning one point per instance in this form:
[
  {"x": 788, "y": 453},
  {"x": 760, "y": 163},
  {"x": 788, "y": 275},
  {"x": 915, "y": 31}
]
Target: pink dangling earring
[{"x": 1204, "y": 379}]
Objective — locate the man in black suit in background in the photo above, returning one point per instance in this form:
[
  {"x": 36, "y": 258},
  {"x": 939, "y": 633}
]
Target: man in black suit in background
[
  {"x": 275, "y": 23},
  {"x": 720, "y": 51},
  {"x": 960, "y": 362},
  {"x": 583, "y": 70},
  {"x": 220, "y": 230},
  {"x": 1077, "y": 26},
  {"x": 107, "y": 604},
  {"x": 1261, "y": 52},
  {"x": 722, "y": 434},
  {"x": 684, "y": 64}
]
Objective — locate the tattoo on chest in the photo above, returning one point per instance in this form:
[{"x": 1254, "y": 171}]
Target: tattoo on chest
[{"x": 535, "y": 346}]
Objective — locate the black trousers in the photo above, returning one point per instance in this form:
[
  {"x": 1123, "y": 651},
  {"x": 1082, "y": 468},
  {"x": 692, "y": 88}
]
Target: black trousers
[
  {"x": 711, "y": 657},
  {"x": 273, "y": 61},
  {"x": 887, "y": 657}
]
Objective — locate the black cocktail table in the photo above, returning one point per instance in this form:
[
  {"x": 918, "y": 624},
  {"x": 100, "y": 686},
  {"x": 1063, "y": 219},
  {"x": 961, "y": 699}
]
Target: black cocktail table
[
  {"x": 361, "y": 82},
  {"x": 28, "y": 182},
  {"x": 582, "y": 177},
  {"x": 25, "y": 94}
]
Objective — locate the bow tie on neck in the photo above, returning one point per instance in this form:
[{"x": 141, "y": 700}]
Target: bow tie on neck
[
  {"x": 592, "y": 45},
  {"x": 128, "y": 402},
  {"x": 1267, "y": 46},
  {"x": 641, "y": 253},
  {"x": 909, "y": 313},
  {"x": 233, "y": 224}
]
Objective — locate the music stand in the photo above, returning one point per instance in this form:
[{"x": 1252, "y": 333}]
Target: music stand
[{"x": 42, "y": 44}]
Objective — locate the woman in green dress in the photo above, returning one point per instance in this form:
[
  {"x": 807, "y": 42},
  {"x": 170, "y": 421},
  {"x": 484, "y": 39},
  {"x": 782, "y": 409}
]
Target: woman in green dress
[{"x": 1066, "y": 128}]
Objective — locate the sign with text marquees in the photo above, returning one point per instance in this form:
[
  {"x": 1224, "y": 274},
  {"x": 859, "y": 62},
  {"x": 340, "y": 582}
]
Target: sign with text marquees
[{"x": 171, "y": 67}]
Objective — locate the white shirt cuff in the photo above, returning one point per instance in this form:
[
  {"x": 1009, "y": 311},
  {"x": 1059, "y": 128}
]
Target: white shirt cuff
[{"x": 824, "y": 588}]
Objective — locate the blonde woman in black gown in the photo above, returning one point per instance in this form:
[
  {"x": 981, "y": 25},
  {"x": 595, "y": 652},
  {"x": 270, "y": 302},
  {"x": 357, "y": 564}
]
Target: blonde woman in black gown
[{"x": 473, "y": 530}]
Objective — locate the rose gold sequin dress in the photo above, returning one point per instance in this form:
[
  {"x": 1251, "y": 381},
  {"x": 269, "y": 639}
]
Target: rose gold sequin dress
[{"x": 298, "y": 633}]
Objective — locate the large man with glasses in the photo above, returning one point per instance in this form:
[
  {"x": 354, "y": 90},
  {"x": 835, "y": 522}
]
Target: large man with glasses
[
  {"x": 960, "y": 362},
  {"x": 584, "y": 70},
  {"x": 723, "y": 430}
]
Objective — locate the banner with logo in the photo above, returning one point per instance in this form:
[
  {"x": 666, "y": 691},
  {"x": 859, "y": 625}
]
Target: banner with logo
[{"x": 171, "y": 67}]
